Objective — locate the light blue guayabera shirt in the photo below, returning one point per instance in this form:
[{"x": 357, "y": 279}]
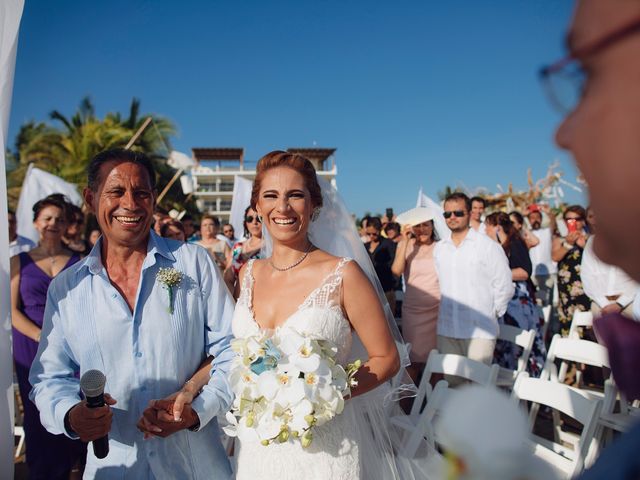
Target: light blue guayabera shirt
[{"x": 145, "y": 355}]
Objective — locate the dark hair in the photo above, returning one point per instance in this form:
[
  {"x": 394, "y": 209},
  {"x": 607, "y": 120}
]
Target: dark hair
[
  {"x": 186, "y": 218},
  {"x": 229, "y": 225},
  {"x": 518, "y": 216},
  {"x": 576, "y": 209},
  {"x": 375, "y": 222},
  {"x": 297, "y": 162},
  {"x": 54, "y": 200},
  {"x": 11, "y": 212},
  {"x": 213, "y": 218},
  {"x": 392, "y": 226},
  {"x": 502, "y": 219},
  {"x": 171, "y": 223},
  {"x": 478, "y": 199},
  {"x": 457, "y": 196},
  {"x": 244, "y": 221},
  {"x": 119, "y": 155}
]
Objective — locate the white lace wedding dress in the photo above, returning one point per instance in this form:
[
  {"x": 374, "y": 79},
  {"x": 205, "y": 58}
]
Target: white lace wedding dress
[{"x": 333, "y": 454}]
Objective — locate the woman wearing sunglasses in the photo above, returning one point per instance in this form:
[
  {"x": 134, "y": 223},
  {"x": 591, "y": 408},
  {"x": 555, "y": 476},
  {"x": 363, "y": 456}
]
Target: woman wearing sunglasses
[{"x": 246, "y": 249}]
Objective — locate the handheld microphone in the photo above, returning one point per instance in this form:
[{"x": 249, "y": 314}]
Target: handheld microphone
[{"x": 92, "y": 386}]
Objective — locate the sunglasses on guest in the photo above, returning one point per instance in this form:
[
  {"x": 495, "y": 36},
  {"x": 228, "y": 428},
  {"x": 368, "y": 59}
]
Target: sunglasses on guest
[
  {"x": 251, "y": 218},
  {"x": 456, "y": 213}
]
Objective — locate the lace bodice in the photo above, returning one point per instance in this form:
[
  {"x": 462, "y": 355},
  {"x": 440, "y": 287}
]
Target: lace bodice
[{"x": 320, "y": 315}]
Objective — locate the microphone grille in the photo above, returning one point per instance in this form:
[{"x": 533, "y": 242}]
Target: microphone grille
[{"x": 92, "y": 383}]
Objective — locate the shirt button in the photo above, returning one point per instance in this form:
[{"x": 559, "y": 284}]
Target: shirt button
[
  {"x": 114, "y": 295},
  {"x": 151, "y": 454},
  {"x": 138, "y": 354}
]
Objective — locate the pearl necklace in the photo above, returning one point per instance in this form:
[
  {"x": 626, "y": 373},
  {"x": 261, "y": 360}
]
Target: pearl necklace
[{"x": 294, "y": 264}]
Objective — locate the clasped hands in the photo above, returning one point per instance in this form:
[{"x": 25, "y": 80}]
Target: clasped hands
[{"x": 160, "y": 419}]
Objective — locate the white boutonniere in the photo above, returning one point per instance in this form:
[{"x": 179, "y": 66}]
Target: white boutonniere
[{"x": 169, "y": 278}]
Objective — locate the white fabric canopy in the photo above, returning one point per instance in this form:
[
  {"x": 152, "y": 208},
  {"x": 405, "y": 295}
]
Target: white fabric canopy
[
  {"x": 441, "y": 226},
  {"x": 10, "y": 14},
  {"x": 239, "y": 202}
]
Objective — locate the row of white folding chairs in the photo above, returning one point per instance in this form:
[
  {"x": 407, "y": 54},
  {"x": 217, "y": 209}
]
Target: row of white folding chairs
[{"x": 566, "y": 462}]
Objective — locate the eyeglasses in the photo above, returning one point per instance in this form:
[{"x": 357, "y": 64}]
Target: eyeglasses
[
  {"x": 564, "y": 80},
  {"x": 251, "y": 218},
  {"x": 457, "y": 213}
]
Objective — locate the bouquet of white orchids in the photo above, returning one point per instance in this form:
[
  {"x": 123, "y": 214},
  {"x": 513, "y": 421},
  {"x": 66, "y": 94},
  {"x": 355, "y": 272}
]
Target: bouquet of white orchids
[{"x": 285, "y": 384}]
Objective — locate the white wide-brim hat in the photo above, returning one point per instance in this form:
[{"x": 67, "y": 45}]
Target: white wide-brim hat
[{"x": 415, "y": 216}]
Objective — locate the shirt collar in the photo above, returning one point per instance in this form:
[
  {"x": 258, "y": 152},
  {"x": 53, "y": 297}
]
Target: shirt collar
[
  {"x": 472, "y": 235},
  {"x": 155, "y": 245}
]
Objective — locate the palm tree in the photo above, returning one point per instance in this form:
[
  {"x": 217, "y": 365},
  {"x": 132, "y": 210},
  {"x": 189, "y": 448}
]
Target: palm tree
[{"x": 66, "y": 147}]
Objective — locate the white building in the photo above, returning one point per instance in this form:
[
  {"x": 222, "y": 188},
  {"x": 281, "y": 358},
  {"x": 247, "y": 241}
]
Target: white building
[{"x": 216, "y": 170}]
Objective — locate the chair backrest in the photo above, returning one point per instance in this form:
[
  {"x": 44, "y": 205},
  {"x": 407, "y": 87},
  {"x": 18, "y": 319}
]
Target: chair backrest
[
  {"x": 580, "y": 319},
  {"x": 572, "y": 403},
  {"x": 424, "y": 425},
  {"x": 546, "y": 314},
  {"x": 522, "y": 338},
  {"x": 573, "y": 350},
  {"x": 456, "y": 365}
]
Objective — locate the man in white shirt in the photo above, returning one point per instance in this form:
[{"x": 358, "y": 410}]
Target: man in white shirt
[
  {"x": 478, "y": 205},
  {"x": 475, "y": 284},
  {"x": 17, "y": 243},
  {"x": 610, "y": 289},
  {"x": 545, "y": 272}
]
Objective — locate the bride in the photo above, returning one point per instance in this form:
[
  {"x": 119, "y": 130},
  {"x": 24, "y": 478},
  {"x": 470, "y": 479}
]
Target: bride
[{"x": 300, "y": 286}]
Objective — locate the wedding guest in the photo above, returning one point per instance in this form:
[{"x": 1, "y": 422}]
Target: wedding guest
[
  {"x": 609, "y": 288},
  {"x": 475, "y": 285},
  {"x": 173, "y": 229},
  {"x": 113, "y": 312},
  {"x": 601, "y": 133},
  {"x": 218, "y": 249},
  {"x": 414, "y": 259},
  {"x": 522, "y": 311},
  {"x": 160, "y": 216},
  {"x": 382, "y": 252},
  {"x": 392, "y": 231},
  {"x": 529, "y": 238},
  {"x": 544, "y": 268},
  {"x": 567, "y": 252},
  {"x": 94, "y": 235},
  {"x": 73, "y": 236},
  {"x": 478, "y": 205},
  {"x": 48, "y": 455},
  {"x": 247, "y": 249},
  {"x": 189, "y": 228},
  {"x": 229, "y": 234},
  {"x": 17, "y": 243}
]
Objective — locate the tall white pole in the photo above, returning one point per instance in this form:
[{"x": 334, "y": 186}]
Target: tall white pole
[{"x": 10, "y": 14}]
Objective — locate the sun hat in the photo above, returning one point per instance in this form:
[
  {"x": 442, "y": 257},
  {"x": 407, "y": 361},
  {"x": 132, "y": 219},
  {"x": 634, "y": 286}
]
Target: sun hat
[{"x": 415, "y": 216}]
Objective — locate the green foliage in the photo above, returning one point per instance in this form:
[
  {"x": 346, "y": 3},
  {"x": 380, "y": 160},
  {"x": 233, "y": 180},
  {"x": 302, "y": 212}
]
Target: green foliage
[{"x": 65, "y": 146}]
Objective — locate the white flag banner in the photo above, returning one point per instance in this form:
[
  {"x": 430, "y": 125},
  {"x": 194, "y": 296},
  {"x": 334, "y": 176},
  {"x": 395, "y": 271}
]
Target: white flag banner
[
  {"x": 10, "y": 14},
  {"x": 37, "y": 185},
  {"x": 239, "y": 203},
  {"x": 180, "y": 161},
  {"x": 441, "y": 226},
  {"x": 186, "y": 182}
]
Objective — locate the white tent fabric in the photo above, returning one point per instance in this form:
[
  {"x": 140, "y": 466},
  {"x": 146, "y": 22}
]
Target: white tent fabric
[
  {"x": 37, "y": 185},
  {"x": 239, "y": 202},
  {"x": 10, "y": 14},
  {"x": 441, "y": 226}
]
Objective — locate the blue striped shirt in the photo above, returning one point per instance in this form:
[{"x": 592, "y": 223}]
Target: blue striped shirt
[{"x": 145, "y": 354}]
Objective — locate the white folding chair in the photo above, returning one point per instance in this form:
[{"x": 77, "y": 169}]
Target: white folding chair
[
  {"x": 446, "y": 364},
  {"x": 574, "y": 350},
  {"x": 573, "y": 403},
  {"x": 522, "y": 338},
  {"x": 546, "y": 314},
  {"x": 580, "y": 319}
]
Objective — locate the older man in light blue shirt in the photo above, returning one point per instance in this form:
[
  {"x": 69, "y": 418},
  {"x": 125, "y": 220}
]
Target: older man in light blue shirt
[{"x": 109, "y": 312}]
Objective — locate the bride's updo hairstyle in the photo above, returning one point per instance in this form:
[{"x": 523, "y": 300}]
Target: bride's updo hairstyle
[{"x": 296, "y": 162}]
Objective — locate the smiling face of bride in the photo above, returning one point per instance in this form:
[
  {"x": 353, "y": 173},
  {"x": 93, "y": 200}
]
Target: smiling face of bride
[{"x": 285, "y": 204}]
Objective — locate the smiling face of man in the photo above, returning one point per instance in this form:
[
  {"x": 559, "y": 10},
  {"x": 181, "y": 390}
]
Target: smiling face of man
[
  {"x": 602, "y": 131},
  {"x": 123, "y": 203}
]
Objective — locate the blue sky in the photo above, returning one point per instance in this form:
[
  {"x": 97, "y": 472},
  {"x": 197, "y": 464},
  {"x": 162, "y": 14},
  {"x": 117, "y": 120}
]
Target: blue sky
[{"x": 411, "y": 93}]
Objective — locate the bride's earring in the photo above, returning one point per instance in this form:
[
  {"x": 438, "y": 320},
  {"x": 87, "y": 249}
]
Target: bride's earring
[{"x": 315, "y": 214}]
